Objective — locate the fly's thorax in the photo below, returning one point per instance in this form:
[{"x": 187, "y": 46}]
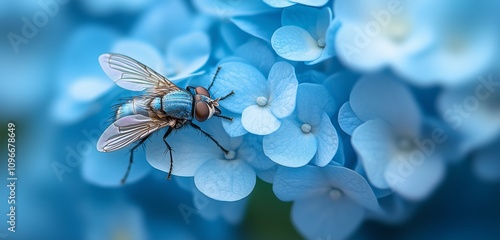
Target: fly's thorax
[{"x": 178, "y": 104}]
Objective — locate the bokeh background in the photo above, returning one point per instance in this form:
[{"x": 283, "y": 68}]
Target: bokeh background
[{"x": 53, "y": 89}]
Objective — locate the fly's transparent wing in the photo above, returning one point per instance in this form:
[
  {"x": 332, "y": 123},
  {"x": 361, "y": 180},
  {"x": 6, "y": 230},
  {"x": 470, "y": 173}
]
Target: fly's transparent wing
[
  {"x": 133, "y": 75},
  {"x": 127, "y": 130}
]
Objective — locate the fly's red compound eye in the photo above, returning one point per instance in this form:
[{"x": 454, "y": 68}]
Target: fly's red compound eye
[
  {"x": 201, "y": 111},
  {"x": 202, "y": 91}
]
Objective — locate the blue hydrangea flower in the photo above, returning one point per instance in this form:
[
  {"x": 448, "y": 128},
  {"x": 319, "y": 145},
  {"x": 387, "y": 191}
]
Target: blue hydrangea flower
[
  {"x": 261, "y": 104},
  {"x": 306, "y": 34},
  {"x": 471, "y": 110},
  {"x": 329, "y": 202},
  {"x": 394, "y": 149},
  {"x": 219, "y": 176},
  {"x": 380, "y": 33},
  {"x": 307, "y": 134},
  {"x": 288, "y": 3}
]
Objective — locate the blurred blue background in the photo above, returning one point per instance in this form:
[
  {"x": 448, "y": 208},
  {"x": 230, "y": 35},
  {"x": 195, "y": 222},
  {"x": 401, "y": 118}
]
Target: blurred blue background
[{"x": 54, "y": 91}]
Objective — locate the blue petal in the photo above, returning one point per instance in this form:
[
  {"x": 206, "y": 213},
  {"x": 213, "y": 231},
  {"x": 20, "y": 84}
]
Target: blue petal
[
  {"x": 373, "y": 143},
  {"x": 328, "y": 141},
  {"x": 353, "y": 185},
  {"x": 163, "y": 22},
  {"x": 289, "y": 146},
  {"x": 278, "y": 3},
  {"x": 282, "y": 84},
  {"x": 261, "y": 25},
  {"x": 382, "y": 97},
  {"x": 320, "y": 217},
  {"x": 348, "y": 120},
  {"x": 108, "y": 169},
  {"x": 233, "y": 36},
  {"x": 185, "y": 161},
  {"x": 245, "y": 80},
  {"x": 142, "y": 52},
  {"x": 210, "y": 209},
  {"x": 188, "y": 53},
  {"x": 225, "y": 180},
  {"x": 340, "y": 85},
  {"x": 252, "y": 149},
  {"x": 259, "y": 120},
  {"x": 293, "y": 183},
  {"x": 233, "y": 128},
  {"x": 312, "y": 3},
  {"x": 77, "y": 101},
  {"x": 303, "y": 17},
  {"x": 415, "y": 182},
  {"x": 224, "y": 8},
  {"x": 257, "y": 53},
  {"x": 296, "y": 44},
  {"x": 312, "y": 101},
  {"x": 329, "y": 49}
]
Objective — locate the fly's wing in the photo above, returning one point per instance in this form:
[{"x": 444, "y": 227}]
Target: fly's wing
[
  {"x": 133, "y": 75},
  {"x": 127, "y": 130}
]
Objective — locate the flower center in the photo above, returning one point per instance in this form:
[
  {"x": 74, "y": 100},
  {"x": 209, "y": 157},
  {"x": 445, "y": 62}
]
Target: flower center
[
  {"x": 230, "y": 155},
  {"x": 405, "y": 144},
  {"x": 321, "y": 42},
  {"x": 335, "y": 194},
  {"x": 306, "y": 128},
  {"x": 261, "y": 101}
]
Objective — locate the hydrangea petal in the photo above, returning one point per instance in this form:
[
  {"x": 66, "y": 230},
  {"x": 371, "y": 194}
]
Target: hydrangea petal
[
  {"x": 302, "y": 17},
  {"x": 296, "y": 44},
  {"x": 312, "y": 101},
  {"x": 261, "y": 25},
  {"x": 373, "y": 143},
  {"x": 259, "y": 120},
  {"x": 379, "y": 96},
  {"x": 312, "y": 3},
  {"x": 282, "y": 84},
  {"x": 415, "y": 181},
  {"x": 233, "y": 128},
  {"x": 257, "y": 53},
  {"x": 225, "y": 180},
  {"x": 224, "y": 8},
  {"x": 328, "y": 141},
  {"x": 320, "y": 217},
  {"x": 142, "y": 52},
  {"x": 348, "y": 120},
  {"x": 293, "y": 183},
  {"x": 186, "y": 161},
  {"x": 252, "y": 148},
  {"x": 245, "y": 80},
  {"x": 289, "y": 146},
  {"x": 353, "y": 185},
  {"x": 278, "y": 3},
  {"x": 188, "y": 53}
]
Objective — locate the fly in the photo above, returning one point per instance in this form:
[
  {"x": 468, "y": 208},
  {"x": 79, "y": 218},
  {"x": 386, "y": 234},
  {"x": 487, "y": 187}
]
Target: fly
[{"x": 162, "y": 104}]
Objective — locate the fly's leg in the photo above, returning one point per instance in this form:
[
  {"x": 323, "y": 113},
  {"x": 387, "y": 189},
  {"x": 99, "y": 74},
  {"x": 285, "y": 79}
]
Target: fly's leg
[
  {"x": 169, "y": 149},
  {"x": 209, "y": 136},
  {"x": 131, "y": 160}
]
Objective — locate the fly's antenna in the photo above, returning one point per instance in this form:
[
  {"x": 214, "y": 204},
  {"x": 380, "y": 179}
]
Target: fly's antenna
[
  {"x": 213, "y": 79},
  {"x": 228, "y": 95}
]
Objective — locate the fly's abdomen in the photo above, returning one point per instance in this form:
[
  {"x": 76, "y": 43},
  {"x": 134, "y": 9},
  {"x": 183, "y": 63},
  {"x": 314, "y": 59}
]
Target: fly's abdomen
[
  {"x": 135, "y": 106},
  {"x": 178, "y": 104}
]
